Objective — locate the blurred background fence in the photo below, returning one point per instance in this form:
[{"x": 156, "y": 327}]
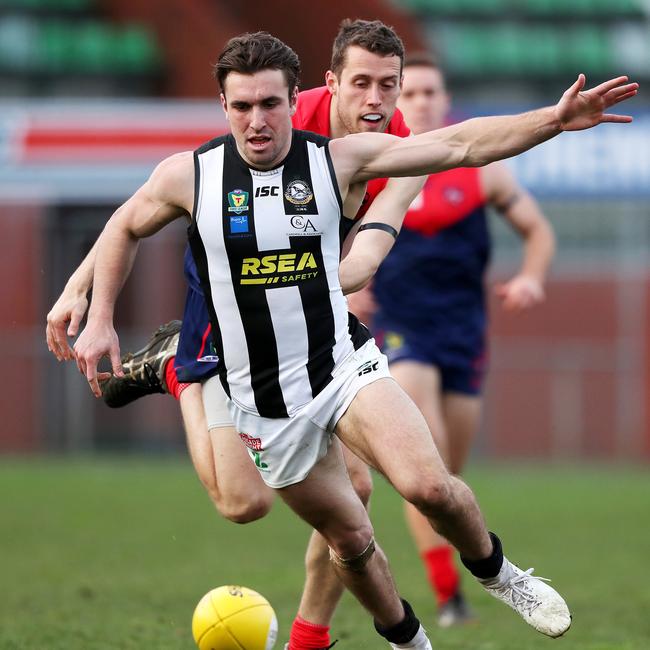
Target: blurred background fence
[{"x": 94, "y": 92}]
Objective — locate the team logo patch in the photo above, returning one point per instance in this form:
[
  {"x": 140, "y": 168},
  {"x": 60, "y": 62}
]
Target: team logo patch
[
  {"x": 454, "y": 195},
  {"x": 298, "y": 192},
  {"x": 252, "y": 443},
  {"x": 239, "y": 223},
  {"x": 238, "y": 201}
]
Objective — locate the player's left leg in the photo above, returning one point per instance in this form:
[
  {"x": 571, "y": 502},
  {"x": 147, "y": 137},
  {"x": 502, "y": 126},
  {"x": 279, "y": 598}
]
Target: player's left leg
[
  {"x": 323, "y": 588},
  {"x": 383, "y": 426}
]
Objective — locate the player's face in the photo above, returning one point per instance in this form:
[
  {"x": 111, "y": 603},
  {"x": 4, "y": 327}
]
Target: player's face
[
  {"x": 424, "y": 100},
  {"x": 259, "y": 111},
  {"x": 365, "y": 93}
]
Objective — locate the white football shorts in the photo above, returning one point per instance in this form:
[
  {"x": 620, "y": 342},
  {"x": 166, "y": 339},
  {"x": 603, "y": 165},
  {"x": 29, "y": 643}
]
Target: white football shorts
[{"x": 285, "y": 450}]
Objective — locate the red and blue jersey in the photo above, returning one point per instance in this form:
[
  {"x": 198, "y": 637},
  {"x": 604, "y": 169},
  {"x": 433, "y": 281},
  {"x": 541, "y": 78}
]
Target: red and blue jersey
[{"x": 430, "y": 286}]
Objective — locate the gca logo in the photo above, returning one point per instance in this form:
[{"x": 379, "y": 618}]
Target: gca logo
[{"x": 300, "y": 223}]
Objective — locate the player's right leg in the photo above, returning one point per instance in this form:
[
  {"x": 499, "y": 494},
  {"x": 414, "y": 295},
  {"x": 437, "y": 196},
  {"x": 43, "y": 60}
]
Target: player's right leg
[
  {"x": 323, "y": 588},
  {"x": 327, "y": 501},
  {"x": 219, "y": 457}
]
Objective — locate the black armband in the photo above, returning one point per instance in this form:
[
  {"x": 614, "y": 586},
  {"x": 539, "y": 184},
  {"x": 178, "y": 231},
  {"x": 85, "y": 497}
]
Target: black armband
[{"x": 377, "y": 225}]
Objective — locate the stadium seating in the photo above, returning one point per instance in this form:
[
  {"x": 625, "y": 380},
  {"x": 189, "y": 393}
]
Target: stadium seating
[
  {"x": 68, "y": 38},
  {"x": 537, "y": 38}
]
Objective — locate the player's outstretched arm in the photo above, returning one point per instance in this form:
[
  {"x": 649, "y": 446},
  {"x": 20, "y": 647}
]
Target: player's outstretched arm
[
  {"x": 519, "y": 208},
  {"x": 64, "y": 318},
  {"x": 479, "y": 141},
  {"x": 380, "y": 225},
  {"x": 167, "y": 195}
]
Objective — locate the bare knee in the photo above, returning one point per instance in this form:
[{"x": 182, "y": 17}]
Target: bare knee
[
  {"x": 351, "y": 542},
  {"x": 432, "y": 496},
  {"x": 240, "y": 510}
]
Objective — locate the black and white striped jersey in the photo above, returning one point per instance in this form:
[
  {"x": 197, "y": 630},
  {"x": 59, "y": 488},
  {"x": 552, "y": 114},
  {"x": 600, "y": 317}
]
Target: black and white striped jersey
[{"x": 267, "y": 248}]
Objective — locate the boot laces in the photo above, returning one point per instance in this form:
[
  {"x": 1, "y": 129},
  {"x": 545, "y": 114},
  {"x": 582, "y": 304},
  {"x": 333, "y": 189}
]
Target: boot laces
[{"x": 520, "y": 593}]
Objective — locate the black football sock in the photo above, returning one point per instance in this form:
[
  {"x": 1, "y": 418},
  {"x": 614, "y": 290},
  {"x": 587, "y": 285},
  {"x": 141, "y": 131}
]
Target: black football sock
[
  {"x": 490, "y": 566},
  {"x": 403, "y": 631}
]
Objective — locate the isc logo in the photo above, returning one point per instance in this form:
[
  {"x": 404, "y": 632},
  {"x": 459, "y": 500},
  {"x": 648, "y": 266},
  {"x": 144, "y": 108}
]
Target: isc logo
[
  {"x": 267, "y": 190},
  {"x": 368, "y": 367}
]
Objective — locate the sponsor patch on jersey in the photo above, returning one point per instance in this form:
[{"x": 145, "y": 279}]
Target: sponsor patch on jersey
[
  {"x": 252, "y": 443},
  {"x": 302, "y": 226},
  {"x": 298, "y": 192},
  {"x": 238, "y": 201},
  {"x": 239, "y": 223},
  {"x": 286, "y": 268}
]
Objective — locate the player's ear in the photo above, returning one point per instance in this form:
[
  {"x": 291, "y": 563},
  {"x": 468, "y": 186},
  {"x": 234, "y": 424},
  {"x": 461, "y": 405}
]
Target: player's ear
[
  {"x": 331, "y": 81},
  {"x": 293, "y": 102},
  {"x": 224, "y": 105}
]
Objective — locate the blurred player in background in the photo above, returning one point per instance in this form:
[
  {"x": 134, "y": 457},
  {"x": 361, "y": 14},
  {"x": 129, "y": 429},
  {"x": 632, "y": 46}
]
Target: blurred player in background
[{"x": 429, "y": 312}]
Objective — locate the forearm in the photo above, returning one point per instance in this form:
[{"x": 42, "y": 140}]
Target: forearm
[
  {"x": 116, "y": 250},
  {"x": 81, "y": 281},
  {"x": 539, "y": 249},
  {"x": 358, "y": 268},
  {"x": 482, "y": 140}
]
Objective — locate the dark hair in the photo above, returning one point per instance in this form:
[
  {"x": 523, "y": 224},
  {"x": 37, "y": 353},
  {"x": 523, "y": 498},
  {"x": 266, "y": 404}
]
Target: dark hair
[
  {"x": 371, "y": 35},
  {"x": 251, "y": 53},
  {"x": 424, "y": 60}
]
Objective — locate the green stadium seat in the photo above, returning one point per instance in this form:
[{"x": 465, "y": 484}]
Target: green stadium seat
[
  {"x": 94, "y": 48},
  {"x": 586, "y": 49},
  {"x": 138, "y": 50}
]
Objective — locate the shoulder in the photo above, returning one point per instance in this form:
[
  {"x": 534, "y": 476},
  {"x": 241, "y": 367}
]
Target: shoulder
[
  {"x": 312, "y": 110},
  {"x": 172, "y": 181},
  {"x": 212, "y": 144}
]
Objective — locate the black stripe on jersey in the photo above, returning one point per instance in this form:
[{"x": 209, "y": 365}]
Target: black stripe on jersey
[
  {"x": 319, "y": 317},
  {"x": 359, "y": 333},
  {"x": 241, "y": 243},
  {"x": 345, "y": 226},
  {"x": 297, "y": 188},
  {"x": 335, "y": 183}
]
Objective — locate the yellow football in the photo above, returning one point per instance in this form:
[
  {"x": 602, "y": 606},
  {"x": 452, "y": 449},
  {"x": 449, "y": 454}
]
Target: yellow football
[{"x": 234, "y": 618}]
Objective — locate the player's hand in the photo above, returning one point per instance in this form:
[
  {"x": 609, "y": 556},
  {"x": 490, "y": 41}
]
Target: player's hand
[
  {"x": 581, "y": 109},
  {"x": 63, "y": 321},
  {"x": 98, "y": 340},
  {"x": 522, "y": 292}
]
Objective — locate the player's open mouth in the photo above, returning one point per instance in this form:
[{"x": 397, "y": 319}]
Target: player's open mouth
[
  {"x": 259, "y": 141},
  {"x": 372, "y": 118}
]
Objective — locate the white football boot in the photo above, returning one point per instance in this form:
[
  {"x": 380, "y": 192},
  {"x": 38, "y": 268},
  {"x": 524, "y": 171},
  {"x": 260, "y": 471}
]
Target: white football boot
[
  {"x": 418, "y": 642},
  {"x": 537, "y": 603}
]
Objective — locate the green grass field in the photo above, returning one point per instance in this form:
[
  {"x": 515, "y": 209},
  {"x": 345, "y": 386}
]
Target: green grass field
[{"x": 114, "y": 554}]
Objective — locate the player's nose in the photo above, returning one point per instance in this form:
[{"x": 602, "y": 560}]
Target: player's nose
[
  {"x": 374, "y": 95},
  {"x": 258, "y": 120}
]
